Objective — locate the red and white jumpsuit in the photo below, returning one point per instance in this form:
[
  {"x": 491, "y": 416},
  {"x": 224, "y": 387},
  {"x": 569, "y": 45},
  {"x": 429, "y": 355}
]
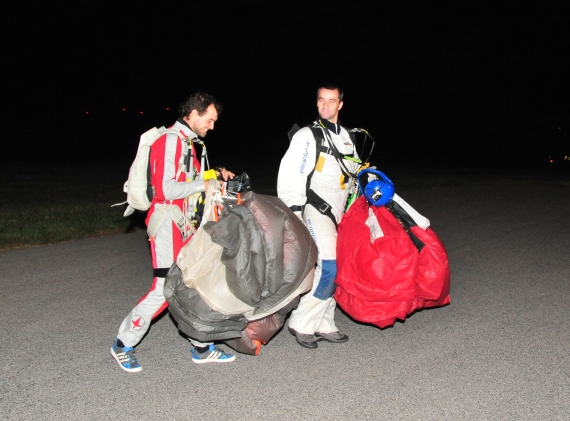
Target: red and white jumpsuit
[{"x": 171, "y": 188}]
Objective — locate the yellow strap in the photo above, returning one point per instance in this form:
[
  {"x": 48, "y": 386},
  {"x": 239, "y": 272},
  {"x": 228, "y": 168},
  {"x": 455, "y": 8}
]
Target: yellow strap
[
  {"x": 210, "y": 174},
  {"x": 363, "y": 167}
]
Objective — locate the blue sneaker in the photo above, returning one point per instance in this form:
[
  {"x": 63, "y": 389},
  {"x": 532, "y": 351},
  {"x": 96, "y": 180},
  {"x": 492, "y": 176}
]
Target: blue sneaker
[
  {"x": 125, "y": 357},
  {"x": 212, "y": 355}
]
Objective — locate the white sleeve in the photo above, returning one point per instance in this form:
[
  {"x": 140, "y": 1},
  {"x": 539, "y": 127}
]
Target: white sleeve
[
  {"x": 171, "y": 188},
  {"x": 296, "y": 165}
]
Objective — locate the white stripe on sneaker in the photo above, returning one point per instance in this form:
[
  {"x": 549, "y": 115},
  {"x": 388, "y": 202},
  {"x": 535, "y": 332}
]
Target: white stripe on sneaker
[{"x": 212, "y": 356}]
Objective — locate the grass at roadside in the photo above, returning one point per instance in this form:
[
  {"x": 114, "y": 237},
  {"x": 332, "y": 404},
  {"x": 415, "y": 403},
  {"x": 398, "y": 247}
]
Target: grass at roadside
[
  {"x": 53, "y": 204},
  {"x": 60, "y": 203}
]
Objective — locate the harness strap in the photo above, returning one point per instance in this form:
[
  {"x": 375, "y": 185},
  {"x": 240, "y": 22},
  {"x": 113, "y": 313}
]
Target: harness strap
[
  {"x": 313, "y": 198},
  {"x": 184, "y": 139},
  {"x": 161, "y": 272},
  {"x": 178, "y": 217},
  {"x": 332, "y": 149},
  {"x": 187, "y": 165},
  {"x": 319, "y": 204}
]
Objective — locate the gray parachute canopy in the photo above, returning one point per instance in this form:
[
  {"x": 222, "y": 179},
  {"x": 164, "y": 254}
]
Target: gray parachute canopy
[{"x": 246, "y": 270}]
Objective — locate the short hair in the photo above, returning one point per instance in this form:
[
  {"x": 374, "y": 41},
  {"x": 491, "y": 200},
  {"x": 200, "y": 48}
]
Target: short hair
[
  {"x": 331, "y": 88},
  {"x": 200, "y": 102}
]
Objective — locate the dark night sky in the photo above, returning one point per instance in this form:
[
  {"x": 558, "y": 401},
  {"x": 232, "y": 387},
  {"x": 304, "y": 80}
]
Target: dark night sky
[{"x": 429, "y": 82}]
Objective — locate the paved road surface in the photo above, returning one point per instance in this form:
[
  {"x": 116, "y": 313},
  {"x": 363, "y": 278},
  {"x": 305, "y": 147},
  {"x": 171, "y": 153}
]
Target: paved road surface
[{"x": 499, "y": 351}]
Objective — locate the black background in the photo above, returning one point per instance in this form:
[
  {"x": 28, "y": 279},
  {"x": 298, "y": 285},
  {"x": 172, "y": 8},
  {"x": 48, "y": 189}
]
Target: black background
[{"x": 459, "y": 84}]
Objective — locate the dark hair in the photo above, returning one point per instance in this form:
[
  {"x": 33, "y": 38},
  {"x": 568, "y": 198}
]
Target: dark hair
[
  {"x": 331, "y": 88},
  {"x": 200, "y": 102}
]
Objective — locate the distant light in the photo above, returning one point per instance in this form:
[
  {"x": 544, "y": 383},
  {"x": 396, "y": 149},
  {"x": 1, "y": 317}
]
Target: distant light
[
  {"x": 552, "y": 160},
  {"x": 86, "y": 112},
  {"x": 167, "y": 109},
  {"x": 141, "y": 112},
  {"x": 124, "y": 109},
  {"x": 560, "y": 128}
]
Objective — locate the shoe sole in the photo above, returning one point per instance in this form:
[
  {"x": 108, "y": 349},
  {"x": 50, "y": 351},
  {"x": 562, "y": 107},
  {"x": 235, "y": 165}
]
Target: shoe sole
[
  {"x": 333, "y": 341},
  {"x": 216, "y": 360},
  {"x": 128, "y": 370},
  {"x": 308, "y": 346}
]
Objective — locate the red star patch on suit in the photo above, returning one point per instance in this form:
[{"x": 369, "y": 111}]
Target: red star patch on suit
[{"x": 137, "y": 322}]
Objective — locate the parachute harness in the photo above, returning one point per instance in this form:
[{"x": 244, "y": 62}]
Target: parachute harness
[
  {"x": 346, "y": 177},
  {"x": 193, "y": 206}
]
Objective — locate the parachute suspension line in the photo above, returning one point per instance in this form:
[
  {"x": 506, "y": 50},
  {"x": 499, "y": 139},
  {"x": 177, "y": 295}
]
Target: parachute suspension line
[
  {"x": 366, "y": 136},
  {"x": 217, "y": 200}
]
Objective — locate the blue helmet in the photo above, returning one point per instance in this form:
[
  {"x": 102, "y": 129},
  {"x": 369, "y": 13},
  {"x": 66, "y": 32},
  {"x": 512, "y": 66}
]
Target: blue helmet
[{"x": 378, "y": 189}]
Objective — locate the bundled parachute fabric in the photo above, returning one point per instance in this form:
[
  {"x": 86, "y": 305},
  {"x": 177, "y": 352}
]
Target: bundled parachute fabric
[
  {"x": 237, "y": 278},
  {"x": 389, "y": 263},
  {"x": 260, "y": 331}
]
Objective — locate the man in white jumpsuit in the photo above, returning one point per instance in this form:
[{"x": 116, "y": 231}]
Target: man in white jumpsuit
[{"x": 313, "y": 320}]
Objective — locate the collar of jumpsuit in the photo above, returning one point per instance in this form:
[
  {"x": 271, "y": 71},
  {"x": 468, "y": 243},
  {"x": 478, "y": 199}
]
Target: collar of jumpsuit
[
  {"x": 335, "y": 128},
  {"x": 192, "y": 134}
]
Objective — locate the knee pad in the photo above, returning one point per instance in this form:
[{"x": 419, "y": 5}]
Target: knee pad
[{"x": 326, "y": 287}]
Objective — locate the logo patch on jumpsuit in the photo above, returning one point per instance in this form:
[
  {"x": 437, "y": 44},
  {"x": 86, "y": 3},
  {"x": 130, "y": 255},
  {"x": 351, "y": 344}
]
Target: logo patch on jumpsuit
[{"x": 137, "y": 322}]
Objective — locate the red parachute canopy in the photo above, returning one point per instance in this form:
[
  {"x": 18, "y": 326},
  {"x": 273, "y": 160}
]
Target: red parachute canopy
[{"x": 392, "y": 276}]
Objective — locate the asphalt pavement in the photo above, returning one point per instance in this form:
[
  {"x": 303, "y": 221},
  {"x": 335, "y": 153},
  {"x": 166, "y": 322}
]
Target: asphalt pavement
[{"x": 499, "y": 351}]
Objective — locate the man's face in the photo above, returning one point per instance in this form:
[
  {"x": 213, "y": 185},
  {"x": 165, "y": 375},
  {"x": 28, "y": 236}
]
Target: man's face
[
  {"x": 201, "y": 124},
  {"x": 329, "y": 104}
]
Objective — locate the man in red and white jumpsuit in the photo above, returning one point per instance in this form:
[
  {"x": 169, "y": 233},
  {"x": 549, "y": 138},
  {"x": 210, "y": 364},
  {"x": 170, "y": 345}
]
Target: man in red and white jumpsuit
[
  {"x": 313, "y": 319},
  {"x": 172, "y": 184}
]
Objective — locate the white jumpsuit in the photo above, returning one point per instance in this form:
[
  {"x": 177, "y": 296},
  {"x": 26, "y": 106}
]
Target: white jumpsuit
[{"x": 315, "y": 312}]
